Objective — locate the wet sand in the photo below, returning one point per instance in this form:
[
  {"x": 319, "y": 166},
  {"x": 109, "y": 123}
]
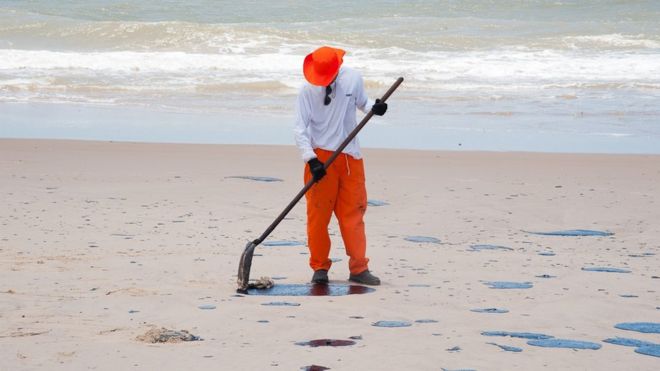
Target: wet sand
[{"x": 101, "y": 243}]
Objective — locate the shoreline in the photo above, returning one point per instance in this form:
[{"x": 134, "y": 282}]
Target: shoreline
[
  {"x": 448, "y": 151},
  {"x": 407, "y": 125}
]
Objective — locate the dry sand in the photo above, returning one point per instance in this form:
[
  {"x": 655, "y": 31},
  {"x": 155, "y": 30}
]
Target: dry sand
[{"x": 102, "y": 242}]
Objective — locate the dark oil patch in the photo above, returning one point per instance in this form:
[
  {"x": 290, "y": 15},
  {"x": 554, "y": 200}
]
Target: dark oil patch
[
  {"x": 564, "y": 343},
  {"x": 391, "y": 324},
  {"x": 314, "y": 368},
  {"x": 422, "y": 239},
  {"x": 521, "y": 335},
  {"x": 508, "y": 285},
  {"x": 313, "y": 290},
  {"x": 507, "y": 348},
  {"x": 281, "y": 304},
  {"x": 326, "y": 343},
  {"x": 574, "y": 233},
  {"x": 377, "y": 203},
  {"x": 649, "y": 350},
  {"x": 605, "y": 269},
  {"x": 489, "y": 247},
  {"x": 641, "y": 346},
  {"x": 267, "y": 179},
  {"x": 627, "y": 342},
  {"x": 489, "y": 310},
  {"x": 645, "y": 327}
]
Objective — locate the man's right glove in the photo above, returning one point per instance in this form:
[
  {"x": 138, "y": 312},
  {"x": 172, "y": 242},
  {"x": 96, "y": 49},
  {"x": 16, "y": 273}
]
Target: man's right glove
[
  {"x": 379, "y": 108},
  {"x": 316, "y": 168}
]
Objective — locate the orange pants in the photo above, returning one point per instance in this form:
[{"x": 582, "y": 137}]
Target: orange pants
[{"x": 343, "y": 192}]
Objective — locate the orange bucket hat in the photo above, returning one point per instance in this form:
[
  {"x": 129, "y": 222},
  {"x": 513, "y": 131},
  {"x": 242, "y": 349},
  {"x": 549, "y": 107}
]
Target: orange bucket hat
[{"x": 322, "y": 66}]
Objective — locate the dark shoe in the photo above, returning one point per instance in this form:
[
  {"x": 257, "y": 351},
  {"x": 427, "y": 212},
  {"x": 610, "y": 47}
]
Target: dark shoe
[
  {"x": 365, "y": 278},
  {"x": 320, "y": 276}
]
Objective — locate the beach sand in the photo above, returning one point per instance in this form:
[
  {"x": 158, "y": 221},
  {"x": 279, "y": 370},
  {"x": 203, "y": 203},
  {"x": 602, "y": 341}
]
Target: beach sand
[{"x": 101, "y": 242}]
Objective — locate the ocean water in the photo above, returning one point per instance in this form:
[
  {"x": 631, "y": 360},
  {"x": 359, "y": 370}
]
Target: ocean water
[{"x": 570, "y": 76}]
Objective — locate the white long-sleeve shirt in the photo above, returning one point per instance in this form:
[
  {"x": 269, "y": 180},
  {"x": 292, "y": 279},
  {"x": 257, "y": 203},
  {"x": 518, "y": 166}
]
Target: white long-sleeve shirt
[{"x": 326, "y": 127}]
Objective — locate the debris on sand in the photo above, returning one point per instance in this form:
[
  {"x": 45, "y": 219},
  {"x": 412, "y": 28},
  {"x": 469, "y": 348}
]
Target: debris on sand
[
  {"x": 262, "y": 283},
  {"x": 163, "y": 335}
]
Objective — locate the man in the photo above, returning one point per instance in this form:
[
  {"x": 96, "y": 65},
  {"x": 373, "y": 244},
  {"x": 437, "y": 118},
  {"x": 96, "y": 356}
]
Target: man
[{"x": 325, "y": 116}]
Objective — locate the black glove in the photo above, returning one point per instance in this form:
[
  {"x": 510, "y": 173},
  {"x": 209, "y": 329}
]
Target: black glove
[
  {"x": 379, "y": 108},
  {"x": 317, "y": 169}
]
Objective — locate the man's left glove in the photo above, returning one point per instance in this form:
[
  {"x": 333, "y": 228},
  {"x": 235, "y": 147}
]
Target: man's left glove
[
  {"x": 316, "y": 168},
  {"x": 379, "y": 108}
]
